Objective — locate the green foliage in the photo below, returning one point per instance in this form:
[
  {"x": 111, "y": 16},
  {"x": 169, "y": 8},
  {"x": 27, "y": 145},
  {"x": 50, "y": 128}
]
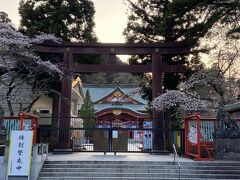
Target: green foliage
[
  {"x": 173, "y": 120},
  {"x": 167, "y": 20},
  {"x": 145, "y": 25},
  {"x": 111, "y": 78},
  {"x": 87, "y": 114},
  {"x": 190, "y": 20},
  {"x": 69, "y": 20},
  {"x": 4, "y": 17}
]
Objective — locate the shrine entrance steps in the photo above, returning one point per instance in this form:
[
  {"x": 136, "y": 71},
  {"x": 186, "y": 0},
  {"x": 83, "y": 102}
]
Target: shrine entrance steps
[{"x": 136, "y": 170}]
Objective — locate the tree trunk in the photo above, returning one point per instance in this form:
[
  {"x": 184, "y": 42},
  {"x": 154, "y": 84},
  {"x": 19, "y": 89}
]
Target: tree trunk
[
  {"x": 29, "y": 107},
  {"x": 168, "y": 130},
  {"x": 11, "y": 113}
]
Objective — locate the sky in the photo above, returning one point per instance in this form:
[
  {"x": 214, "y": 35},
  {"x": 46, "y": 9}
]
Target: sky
[{"x": 110, "y": 18}]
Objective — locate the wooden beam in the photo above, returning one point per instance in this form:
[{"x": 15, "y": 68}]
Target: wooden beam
[
  {"x": 129, "y": 51},
  {"x": 116, "y": 48},
  {"x": 112, "y": 68}
]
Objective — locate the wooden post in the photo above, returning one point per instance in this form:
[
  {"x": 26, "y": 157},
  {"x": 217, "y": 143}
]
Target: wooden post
[
  {"x": 198, "y": 138},
  {"x": 158, "y": 121},
  {"x": 65, "y": 108},
  {"x": 111, "y": 59},
  {"x": 21, "y": 121},
  {"x": 187, "y": 136},
  {"x": 34, "y": 128}
]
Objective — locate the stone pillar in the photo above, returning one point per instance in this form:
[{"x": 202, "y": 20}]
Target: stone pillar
[
  {"x": 65, "y": 108},
  {"x": 158, "y": 121}
]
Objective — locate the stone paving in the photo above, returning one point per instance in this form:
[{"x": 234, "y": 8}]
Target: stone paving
[{"x": 111, "y": 157}]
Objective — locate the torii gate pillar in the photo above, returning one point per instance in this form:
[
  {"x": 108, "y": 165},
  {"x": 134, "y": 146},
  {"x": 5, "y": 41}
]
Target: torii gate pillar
[
  {"x": 65, "y": 108},
  {"x": 158, "y": 120}
]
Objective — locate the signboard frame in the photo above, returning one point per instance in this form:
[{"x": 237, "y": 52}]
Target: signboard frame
[{"x": 20, "y": 155}]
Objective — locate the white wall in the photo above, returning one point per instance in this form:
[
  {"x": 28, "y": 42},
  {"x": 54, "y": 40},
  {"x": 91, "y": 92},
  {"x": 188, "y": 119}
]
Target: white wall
[{"x": 43, "y": 103}]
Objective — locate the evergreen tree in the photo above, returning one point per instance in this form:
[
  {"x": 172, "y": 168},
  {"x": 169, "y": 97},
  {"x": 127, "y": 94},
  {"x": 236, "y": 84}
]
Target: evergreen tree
[
  {"x": 167, "y": 20},
  {"x": 87, "y": 114},
  {"x": 70, "y": 20},
  {"x": 145, "y": 25},
  {"x": 4, "y": 18}
]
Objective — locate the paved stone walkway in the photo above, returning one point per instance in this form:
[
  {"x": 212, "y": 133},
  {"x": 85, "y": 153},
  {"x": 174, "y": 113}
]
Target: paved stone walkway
[{"x": 111, "y": 157}]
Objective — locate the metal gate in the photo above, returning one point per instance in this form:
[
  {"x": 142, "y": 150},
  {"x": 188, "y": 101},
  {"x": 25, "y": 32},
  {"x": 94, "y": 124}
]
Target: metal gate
[
  {"x": 107, "y": 136},
  {"x": 90, "y": 135},
  {"x": 99, "y": 139}
]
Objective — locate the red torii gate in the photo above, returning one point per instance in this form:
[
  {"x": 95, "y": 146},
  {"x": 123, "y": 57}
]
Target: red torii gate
[{"x": 157, "y": 67}]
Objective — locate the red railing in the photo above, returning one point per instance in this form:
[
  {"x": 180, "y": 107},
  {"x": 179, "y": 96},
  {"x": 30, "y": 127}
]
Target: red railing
[
  {"x": 199, "y": 137},
  {"x": 20, "y": 123}
]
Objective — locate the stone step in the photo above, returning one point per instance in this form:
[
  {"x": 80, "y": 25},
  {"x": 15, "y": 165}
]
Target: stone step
[
  {"x": 208, "y": 163},
  {"x": 175, "y": 170},
  {"x": 109, "y": 162},
  {"x": 145, "y": 163},
  {"x": 107, "y": 170},
  {"x": 100, "y": 170},
  {"x": 120, "y": 178},
  {"x": 108, "y": 166},
  {"x": 211, "y": 176},
  {"x": 104, "y": 174},
  {"x": 122, "y": 174},
  {"x": 141, "y": 166},
  {"x": 115, "y": 178}
]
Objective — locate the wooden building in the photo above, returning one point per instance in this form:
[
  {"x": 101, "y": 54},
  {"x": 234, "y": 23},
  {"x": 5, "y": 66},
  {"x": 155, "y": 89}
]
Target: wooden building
[{"x": 118, "y": 106}]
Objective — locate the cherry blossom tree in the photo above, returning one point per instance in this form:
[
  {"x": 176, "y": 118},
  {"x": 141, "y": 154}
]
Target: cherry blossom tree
[
  {"x": 224, "y": 51},
  {"x": 214, "y": 87},
  {"x": 22, "y": 70},
  {"x": 207, "y": 89}
]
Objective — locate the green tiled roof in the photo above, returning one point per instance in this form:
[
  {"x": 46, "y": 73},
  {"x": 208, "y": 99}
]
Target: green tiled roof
[
  {"x": 134, "y": 107},
  {"x": 120, "y": 107},
  {"x": 98, "y": 92}
]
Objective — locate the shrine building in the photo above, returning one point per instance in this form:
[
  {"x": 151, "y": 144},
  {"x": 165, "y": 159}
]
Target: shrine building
[{"x": 118, "y": 106}]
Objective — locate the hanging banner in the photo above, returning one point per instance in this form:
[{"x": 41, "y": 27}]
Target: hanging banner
[
  {"x": 147, "y": 135},
  {"x": 19, "y": 159},
  {"x": 192, "y": 135},
  {"x": 115, "y": 134}
]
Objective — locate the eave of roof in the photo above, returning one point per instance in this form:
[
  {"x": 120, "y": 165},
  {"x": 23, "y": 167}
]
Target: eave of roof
[
  {"x": 121, "y": 108},
  {"x": 117, "y": 88},
  {"x": 99, "y": 91},
  {"x": 232, "y": 107}
]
